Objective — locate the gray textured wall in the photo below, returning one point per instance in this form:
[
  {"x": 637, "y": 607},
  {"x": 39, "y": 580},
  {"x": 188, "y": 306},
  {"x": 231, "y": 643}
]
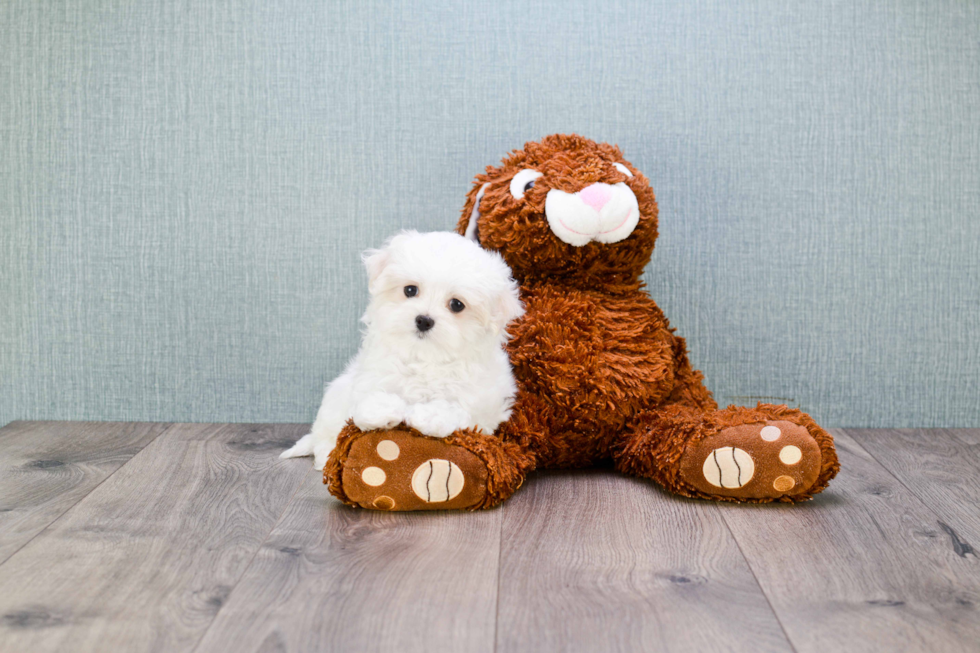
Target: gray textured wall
[{"x": 185, "y": 187}]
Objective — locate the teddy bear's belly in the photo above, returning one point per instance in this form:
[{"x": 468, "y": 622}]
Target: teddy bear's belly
[{"x": 592, "y": 360}]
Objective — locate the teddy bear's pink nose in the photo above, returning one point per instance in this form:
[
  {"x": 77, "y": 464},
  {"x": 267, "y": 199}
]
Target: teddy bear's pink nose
[{"x": 596, "y": 195}]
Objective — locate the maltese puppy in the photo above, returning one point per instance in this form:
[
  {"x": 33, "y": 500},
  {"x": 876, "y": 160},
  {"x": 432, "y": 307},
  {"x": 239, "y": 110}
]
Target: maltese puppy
[{"x": 432, "y": 354}]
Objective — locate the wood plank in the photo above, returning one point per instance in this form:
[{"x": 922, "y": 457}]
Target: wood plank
[
  {"x": 47, "y": 467},
  {"x": 336, "y": 578},
  {"x": 865, "y": 566},
  {"x": 938, "y": 468},
  {"x": 146, "y": 560},
  {"x": 966, "y": 436},
  {"x": 595, "y": 561}
]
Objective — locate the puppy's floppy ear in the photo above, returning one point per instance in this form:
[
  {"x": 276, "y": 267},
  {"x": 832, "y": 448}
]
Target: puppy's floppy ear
[
  {"x": 375, "y": 260},
  {"x": 506, "y": 306}
]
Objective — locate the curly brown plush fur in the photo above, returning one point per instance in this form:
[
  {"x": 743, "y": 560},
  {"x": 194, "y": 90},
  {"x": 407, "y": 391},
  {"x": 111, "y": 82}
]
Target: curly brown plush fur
[{"x": 601, "y": 374}]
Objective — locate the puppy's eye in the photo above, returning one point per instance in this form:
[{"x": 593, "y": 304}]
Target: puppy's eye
[
  {"x": 522, "y": 182},
  {"x": 456, "y": 306},
  {"x": 411, "y": 291}
]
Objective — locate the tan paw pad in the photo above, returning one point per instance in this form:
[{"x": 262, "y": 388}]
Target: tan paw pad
[
  {"x": 373, "y": 476},
  {"x": 437, "y": 480},
  {"x": 790, "y": 455},
  {"x": 728, "y": 467},
  {"x": 783, "y": 483},
  {"x": 384, "y": 503},
  {"x": 388, "y": 450},
  {"x": 770, "y": 433}
]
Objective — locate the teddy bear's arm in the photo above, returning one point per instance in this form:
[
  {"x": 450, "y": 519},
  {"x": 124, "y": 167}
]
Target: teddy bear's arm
[
  {"x": 620, "y": 352},
  {"x": 554, "y": 346}
]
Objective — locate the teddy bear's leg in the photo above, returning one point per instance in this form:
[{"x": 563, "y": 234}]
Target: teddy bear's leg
[
  {"x": 401, "y": 469},
  {"x": 762, "y": 454}
]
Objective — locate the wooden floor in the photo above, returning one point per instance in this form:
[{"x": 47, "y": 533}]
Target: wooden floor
[{"x": 193, "y": 537}]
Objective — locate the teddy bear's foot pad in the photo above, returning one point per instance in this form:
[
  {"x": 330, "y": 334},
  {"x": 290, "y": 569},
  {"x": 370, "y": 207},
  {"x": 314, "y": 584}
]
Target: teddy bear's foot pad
[
  {"x": 396, "y": 470},
  {"x": 754, "y": 461}
]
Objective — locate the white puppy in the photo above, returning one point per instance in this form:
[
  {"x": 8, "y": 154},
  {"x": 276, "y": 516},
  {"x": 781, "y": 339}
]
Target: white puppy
[{"x": 432, "y": 354}]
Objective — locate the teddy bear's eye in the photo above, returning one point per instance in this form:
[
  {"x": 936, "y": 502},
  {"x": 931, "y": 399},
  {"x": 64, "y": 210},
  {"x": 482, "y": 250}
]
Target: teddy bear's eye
[
  {"x": 522, "y": 182},
  {"x": 623, "y": 169},
  {"x": 456, "y": 306},
  {"x": 411, "y": 291}
]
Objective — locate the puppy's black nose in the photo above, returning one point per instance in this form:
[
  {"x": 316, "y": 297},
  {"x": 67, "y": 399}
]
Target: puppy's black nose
[{"x": 424, "y": 322}]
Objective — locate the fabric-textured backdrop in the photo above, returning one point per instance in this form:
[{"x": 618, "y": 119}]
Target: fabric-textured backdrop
[{"x": 185, "y": 188}]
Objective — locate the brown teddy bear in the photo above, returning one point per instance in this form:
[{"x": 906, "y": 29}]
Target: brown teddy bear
[{"x": 601, "y": 374}]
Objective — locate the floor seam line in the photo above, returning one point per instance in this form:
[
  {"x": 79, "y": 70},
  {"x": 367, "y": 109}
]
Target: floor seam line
[
  {"x": 170, "y": 425},
  {"x": 251, "y": 560},
  {"x": 755, "y": 577},
  {"x": 915, "y": 495},
  {"x": 500, "y": 558}
]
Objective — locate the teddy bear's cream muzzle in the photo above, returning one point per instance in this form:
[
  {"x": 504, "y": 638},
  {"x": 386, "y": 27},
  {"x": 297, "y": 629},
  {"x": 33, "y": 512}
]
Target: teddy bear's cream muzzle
[{"x": 604, "y": 213}]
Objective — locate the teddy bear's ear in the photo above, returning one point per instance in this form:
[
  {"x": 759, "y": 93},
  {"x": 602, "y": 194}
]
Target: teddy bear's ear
[{"x": 470, "y": 232}]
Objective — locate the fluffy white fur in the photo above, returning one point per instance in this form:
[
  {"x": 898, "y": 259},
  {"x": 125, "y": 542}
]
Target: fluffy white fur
[{"x": 454, "y": 375}]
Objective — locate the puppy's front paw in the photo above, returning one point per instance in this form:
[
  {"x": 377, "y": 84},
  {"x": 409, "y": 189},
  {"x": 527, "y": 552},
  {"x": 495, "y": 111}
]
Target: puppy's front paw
[
  {"x": 437, "y": 418},
  {"x": 380, "y": 410}
]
